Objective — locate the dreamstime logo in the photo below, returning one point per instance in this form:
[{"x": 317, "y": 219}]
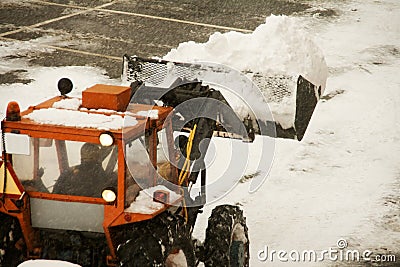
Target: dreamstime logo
[
  {"x": 240, "y": 98},
  {"x": 342, "y": 243},
  {"x": 340, "y": 253}
]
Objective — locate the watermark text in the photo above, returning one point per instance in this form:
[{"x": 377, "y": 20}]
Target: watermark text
[{"x": 338, "y": 253}]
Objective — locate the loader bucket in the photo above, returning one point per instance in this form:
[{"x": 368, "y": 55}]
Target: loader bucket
[
  {"x": 306, "y": 101},
  {"x": 291, "y": 100}
]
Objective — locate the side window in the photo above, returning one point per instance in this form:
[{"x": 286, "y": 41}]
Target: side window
[
  {"x": 163, "y": 158},
  {"x": 34, "y": 170},
  {"x": 138, "y": 163},
  {"x": 139, "y": 170},
  {"x": 47, "y": 163}
]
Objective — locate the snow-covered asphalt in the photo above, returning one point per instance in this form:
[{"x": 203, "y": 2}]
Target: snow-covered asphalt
[{"x": 341, "y": 182}]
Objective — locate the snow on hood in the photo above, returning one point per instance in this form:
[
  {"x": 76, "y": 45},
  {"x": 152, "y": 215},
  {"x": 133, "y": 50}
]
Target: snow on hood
[
  {"x": 71, "y": 103},
  {"x": 67, "y": 112},
  {"x": 74, "y": 118}
]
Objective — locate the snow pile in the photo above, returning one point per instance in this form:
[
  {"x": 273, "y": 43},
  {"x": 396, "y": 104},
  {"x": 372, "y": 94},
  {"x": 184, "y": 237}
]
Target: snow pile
[
  {"x": 71, "y": 103},
  {"x": 273, "y": 57},
  {"x": 72, "y": 118},
  {"x": 47, "y": 263},
  {"x": 276, "y": 47},
  {"x": 144, "y": 203}
]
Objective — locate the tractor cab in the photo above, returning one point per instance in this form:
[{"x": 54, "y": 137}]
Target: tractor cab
[
  {"x": 101, "y": 180},
  {"x": 73, "y": 164}
]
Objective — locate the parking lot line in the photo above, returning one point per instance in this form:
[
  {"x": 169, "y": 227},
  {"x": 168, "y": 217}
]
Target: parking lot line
[
  {"x": 175, "y": 20},
  {"x": 83, "y": 52},
  {"x": 67, "y": 49},
  {"x": 30, "y": 27},
  {"x": 102, "y": 9}
]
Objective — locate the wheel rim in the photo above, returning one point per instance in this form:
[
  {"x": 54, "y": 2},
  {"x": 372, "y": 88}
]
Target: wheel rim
[{"x": 237, "y": 249}]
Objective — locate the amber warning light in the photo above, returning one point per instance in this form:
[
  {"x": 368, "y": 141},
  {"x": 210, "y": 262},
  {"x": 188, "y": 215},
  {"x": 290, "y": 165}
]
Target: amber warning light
[{"x": 13, "y": 112}]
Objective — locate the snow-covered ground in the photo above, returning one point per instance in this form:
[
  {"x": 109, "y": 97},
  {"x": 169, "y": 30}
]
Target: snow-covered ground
[{"x": 342, "y": 181}]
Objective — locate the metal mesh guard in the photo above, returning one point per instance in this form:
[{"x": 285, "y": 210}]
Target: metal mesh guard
[{"x": 154, "y": 71}]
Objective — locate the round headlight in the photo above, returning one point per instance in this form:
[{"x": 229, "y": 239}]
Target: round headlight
[
  {"x": 106, "y": 139},
  {"x": 108, "y": 195}
]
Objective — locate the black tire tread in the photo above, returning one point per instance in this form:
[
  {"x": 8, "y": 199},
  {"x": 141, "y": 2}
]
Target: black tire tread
[
  {"x": 149, "y": 243},
  {"x": 10, "y": 234},
  {"x": 218, "y": 236}
]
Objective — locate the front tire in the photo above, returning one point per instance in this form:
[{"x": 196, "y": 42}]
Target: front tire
[
  {"x": 160, "y": 241},
  {"x": 227, "y": 241}
]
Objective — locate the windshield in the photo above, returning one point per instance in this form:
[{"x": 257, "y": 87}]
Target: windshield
[{"x": 67, "y": 167}]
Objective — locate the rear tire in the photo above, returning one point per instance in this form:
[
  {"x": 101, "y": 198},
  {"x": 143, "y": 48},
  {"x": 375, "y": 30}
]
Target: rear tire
[
  {"x": 10, "y": 237},
  {"x": 154, "y": 241},
  {"x": 83, "y": 248},
  {"x": 227, "y": 241}
]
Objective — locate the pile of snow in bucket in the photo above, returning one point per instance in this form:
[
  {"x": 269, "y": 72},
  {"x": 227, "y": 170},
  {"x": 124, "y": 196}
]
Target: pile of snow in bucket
[{"x": 277, "y": 48}]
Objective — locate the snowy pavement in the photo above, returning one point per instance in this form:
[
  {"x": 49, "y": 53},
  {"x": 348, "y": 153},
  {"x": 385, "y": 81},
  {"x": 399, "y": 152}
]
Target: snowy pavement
[
  {"x": 98, "y": 33},
  {"x": 342, "y": 181}
]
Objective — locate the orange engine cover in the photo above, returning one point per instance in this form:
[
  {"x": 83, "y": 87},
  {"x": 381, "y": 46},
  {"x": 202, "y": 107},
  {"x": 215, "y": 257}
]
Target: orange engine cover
[{"x": 101, "y": 96}]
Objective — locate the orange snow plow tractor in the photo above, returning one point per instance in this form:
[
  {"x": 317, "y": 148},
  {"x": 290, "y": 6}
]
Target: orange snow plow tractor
[{"x": 105, "y": 180}]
